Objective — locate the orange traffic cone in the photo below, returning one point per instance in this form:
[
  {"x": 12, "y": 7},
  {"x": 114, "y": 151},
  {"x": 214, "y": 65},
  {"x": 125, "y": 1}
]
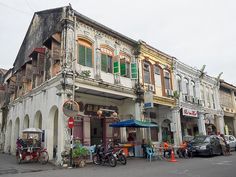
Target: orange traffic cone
[{"x": 172, "y": 156}]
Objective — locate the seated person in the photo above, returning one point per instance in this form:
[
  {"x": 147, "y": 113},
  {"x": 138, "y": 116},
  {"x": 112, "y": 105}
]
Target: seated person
[
  {"x": 182, "y": 151},
  {"x": 167, "y": 149}
]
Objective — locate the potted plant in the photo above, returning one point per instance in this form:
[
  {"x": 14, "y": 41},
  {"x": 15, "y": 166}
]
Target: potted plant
[{"x": 79, "y": 154}]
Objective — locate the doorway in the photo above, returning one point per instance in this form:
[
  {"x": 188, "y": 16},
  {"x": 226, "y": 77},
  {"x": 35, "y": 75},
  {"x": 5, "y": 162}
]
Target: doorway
[{"x": 96, "y": 130}]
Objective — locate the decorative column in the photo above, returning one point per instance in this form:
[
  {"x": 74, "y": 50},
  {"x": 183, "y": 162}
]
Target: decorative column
[
  {"x": 221, "y": 123},
  {"x": 176, "y": 126},
  {"x": 201, "y": 124},
  {"x": 97, "y": 67}
]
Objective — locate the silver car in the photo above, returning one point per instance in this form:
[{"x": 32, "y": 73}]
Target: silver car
[{"x": 231, "y": 140}]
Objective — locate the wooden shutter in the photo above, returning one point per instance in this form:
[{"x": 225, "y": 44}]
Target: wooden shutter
[
  {"x": 40, "y": 64},
  {"x": 89, "y": 57},
  {"x": 116, "y": 67},
  {"x": 122, "y": 68},
  {"x": 81, "y": 55},
  {"x": 28, "y": 71},
  {"x": 56, "y": 51},
  {"x": 104, "y": 63},
  {"x": 134, "y": 74}
]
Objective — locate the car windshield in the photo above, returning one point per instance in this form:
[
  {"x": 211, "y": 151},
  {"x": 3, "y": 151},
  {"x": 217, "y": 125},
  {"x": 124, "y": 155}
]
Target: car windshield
[{"x": 201, "y": 139}]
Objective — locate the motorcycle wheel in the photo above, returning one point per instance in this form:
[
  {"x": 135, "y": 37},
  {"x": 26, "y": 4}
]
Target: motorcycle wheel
[
  {"x": 19, "y": 157},
  {"x": 112, "y": 161},
  {"x": 96, "y": 159},
  {"x": 122, "y": 159}
]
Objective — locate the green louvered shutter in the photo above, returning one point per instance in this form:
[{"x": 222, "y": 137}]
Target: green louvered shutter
[
  {"x": 122, "y": 69},
  {"x": 89, "y": 57},
  {"x": 104, "y": 63},
  {"x": 134, "y": 74},
  {"x": 116, "y": 67},
  {"x": 81, "y": 55}
]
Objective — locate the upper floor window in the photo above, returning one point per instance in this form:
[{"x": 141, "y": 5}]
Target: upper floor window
[
  {"x": 146, "y": 72},
  {"x": 157, "y": 71},
  {"x": 179, "y": 83},
  {"x": 106, "y": 60},
  {"x": 186, "y": 86},
  {"x": 167, "y": 79},
  {"x": 125, "y": 66},
  {"x": 85, "y": 53},
  {"x": 193, "y": 87}
]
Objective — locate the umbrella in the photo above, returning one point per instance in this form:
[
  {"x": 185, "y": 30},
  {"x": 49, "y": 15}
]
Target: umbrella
[{"x": 134, "y": 123}]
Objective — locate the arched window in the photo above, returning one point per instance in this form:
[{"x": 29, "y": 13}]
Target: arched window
[
  {"x": 186, "y": 86},
  {"x": 193, "y": 87},
  {"x": 106, "y": 59},
  {"x": 179, "y": 83},
  {"x": 85, "y": 53},
  {"x": 167, "y": 79},
  {"x": 157, "y": 76},
  {"x": 146, "y": 72}
]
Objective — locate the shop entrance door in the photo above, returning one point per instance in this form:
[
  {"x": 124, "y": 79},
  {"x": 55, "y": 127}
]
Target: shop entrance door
[{"x": 96, "y": 131}]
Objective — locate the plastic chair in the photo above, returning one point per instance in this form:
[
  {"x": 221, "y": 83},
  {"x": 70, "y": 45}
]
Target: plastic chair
[
  {"x": 91, "y": 151},
  {"x": 150, "y": 153}
]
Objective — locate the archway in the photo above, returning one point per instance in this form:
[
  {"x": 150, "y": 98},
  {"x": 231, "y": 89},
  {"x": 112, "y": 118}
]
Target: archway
[
  {"x": 167, "y": 135},
  {"x": 26, "y": 122},
  {"x": 38, "y": 120},
  {"x": 8, "y": 138},
  {"x": 52, "y": 133},
  {"x": 16, "y": 132}
]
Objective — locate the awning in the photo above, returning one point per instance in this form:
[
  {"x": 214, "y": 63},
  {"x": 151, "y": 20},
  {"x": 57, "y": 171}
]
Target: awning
[{"x": 133, "y": 123}]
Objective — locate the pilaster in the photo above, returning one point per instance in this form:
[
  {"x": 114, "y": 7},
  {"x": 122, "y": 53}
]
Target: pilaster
[{"x": 201, "y": 124}]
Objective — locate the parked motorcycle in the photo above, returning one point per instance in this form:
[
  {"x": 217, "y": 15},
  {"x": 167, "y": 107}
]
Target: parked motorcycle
[
  {"x": 120, "y": 156},
  {"x": 103, "y": 156}
]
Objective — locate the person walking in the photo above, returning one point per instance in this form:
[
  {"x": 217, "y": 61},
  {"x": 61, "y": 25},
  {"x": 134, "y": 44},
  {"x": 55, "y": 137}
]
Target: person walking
[{"x": 167, "y": 148}]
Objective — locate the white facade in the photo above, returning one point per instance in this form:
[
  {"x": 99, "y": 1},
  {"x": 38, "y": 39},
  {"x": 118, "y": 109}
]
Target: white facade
[
  {"x": 42, "y": 106},
  {"x": 192, "y": 87}
]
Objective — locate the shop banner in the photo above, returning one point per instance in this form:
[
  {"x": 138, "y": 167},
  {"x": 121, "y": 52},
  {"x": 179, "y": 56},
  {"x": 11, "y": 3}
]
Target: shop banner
[{"x": 190, "y": 112}]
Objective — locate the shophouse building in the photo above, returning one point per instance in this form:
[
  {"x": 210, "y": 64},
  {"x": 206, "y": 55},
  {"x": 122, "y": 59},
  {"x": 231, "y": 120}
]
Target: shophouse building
[
  {"x": 156, "y": 79},
  {"x": 67, "y": 56},
  {"x": 228, "y": 104},
  {"x": 198, "y": 102},
  {"x": 2, "y": 107}
]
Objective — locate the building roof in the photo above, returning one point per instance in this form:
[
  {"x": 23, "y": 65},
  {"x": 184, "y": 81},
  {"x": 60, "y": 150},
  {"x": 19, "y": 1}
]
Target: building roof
[{"x": 227, "y": 85}]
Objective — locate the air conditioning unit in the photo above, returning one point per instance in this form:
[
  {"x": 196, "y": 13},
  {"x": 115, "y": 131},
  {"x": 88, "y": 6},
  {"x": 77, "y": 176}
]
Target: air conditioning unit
[
  {"x": 169, "y": 92},
  {"x": 151, "y": 87}
]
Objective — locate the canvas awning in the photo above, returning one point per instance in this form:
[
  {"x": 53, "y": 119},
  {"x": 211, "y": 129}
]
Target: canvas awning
[{"x": 134, "y": 123}]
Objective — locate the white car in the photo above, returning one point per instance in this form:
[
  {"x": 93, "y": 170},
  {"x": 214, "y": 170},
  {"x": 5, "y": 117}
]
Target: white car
[{"x": 231, "y": 140}]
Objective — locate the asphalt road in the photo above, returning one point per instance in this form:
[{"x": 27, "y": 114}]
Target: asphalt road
[{"x": 219, "y": 166}]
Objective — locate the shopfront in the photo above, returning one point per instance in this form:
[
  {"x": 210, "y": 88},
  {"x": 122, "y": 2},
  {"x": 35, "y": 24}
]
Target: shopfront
[{"x": 189, "y": 122}]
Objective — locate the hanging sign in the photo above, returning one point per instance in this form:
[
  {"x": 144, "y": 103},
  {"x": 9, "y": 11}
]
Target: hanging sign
[{"x": 148, "y": 100}]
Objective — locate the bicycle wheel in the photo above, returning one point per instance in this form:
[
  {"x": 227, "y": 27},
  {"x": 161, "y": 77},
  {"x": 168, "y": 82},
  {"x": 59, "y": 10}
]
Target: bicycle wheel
[{"x": 43, "y": 157}]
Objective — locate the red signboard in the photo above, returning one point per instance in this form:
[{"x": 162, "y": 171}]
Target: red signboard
[{"x": 71, "y": 122}]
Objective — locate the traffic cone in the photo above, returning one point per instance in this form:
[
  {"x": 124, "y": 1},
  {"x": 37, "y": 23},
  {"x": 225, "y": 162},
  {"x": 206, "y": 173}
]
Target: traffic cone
[{"x": 172, "y": 156}]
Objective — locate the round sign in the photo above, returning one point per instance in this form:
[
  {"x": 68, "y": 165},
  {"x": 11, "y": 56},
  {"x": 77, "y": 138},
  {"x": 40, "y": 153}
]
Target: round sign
[
  {"x": 71, "y": 122},
  {"x": 70, "y": 108}
]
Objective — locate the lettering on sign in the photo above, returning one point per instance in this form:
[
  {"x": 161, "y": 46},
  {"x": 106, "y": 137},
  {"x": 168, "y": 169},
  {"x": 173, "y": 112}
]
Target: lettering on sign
[{"x": 190, "y": 112}]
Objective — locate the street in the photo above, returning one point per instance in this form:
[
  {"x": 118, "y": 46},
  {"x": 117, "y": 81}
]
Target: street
[{"x": 219, "y": 166}]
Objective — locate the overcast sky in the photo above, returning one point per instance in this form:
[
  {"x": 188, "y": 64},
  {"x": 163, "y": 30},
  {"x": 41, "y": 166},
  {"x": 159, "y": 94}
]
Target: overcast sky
[{"x": 196, "y": 32}]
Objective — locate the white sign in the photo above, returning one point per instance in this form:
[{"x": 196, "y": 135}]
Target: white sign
[
  {"x": 190, "y": 112},
  {"x": 172, "y": 127},
  {"x": 148, "y": 100}
]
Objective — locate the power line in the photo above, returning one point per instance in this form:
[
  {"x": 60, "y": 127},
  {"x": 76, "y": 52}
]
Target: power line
[
  {"x": 13, "y": 8},
  {"x": 29, "y": 5}
]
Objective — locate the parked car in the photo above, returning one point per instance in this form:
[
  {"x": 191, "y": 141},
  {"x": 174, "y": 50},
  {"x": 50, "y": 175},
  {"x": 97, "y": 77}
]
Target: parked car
[
  {"x": 206, "y": 145},
  {"x": 231, "y": 140}
]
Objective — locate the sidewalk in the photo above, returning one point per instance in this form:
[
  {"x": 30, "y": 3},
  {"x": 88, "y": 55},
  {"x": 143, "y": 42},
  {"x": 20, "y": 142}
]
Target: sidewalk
[{"x": 9, "y": 165}]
